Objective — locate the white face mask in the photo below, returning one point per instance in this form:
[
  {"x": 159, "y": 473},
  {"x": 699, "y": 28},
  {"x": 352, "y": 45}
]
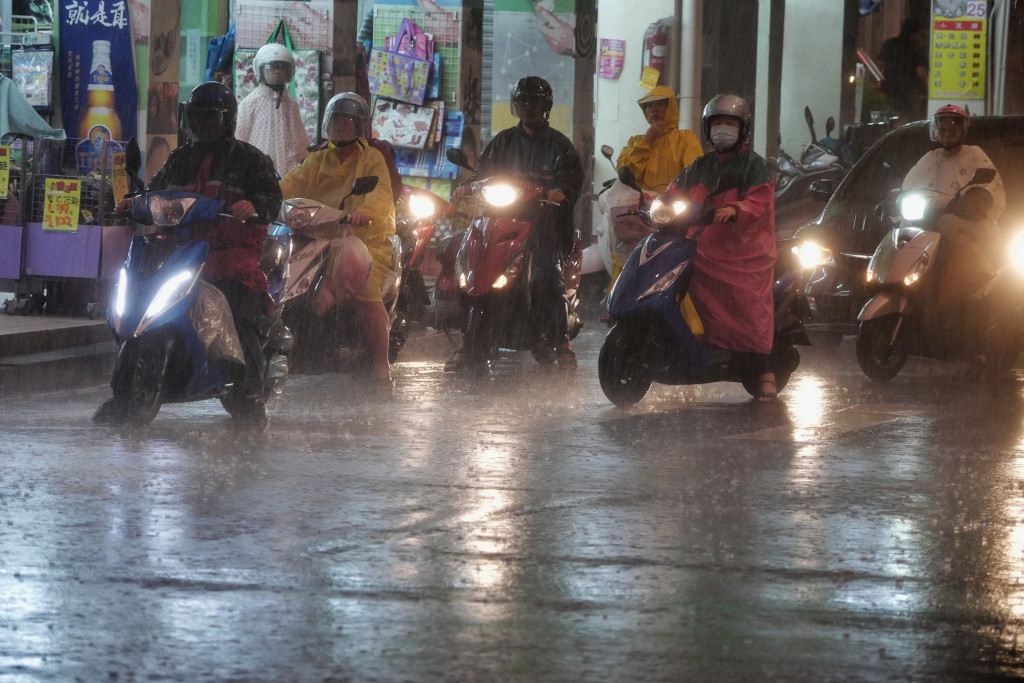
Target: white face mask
[{"x": 724, "y": 136}]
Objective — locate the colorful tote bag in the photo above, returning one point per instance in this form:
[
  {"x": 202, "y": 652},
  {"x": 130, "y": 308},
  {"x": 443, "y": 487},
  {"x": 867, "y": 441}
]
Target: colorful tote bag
[{"x": 398, "y": 76}]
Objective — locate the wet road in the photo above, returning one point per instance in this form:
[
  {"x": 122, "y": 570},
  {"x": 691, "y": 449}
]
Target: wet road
[{"x": 523, "y": 529}]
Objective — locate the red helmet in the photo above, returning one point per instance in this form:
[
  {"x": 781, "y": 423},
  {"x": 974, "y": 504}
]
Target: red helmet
[{"x": 949, "y": 111}]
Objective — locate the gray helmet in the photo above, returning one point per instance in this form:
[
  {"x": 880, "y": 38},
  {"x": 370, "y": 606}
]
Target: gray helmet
[
  {"x": 727, "y": 105},
  {"x": 346, "y": 104}
]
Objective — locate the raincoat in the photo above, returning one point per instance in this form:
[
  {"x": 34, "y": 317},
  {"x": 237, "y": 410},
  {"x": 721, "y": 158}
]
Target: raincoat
[
  {"x": 656, "y": 166},
  {"x": 734, "y": 268},
  {"x": 323, "y": 178},
  {"x": 272, "y": 122},
  {"x": 229, "y": 170}
]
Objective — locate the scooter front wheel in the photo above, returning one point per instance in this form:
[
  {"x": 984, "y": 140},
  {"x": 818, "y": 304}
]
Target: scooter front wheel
[
  {"x": 141, "y": 383},
  {"x": 881, "y": 347},
  {"x": 620, "y": 370}
]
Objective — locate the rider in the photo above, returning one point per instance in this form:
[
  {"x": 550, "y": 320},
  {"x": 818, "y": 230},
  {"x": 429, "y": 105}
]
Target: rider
[
  {"x": 660, "y": 154},
  {"x": 655, "y": 158},
  {"x": 269, "y": 117},
  {"x": 732, "y": 282},
  {"x": 217, "y": 165},
  {"x": 534, "y": 147},
  {"x": 327, "y": 176},
  {"x": 971, "y": 224}
]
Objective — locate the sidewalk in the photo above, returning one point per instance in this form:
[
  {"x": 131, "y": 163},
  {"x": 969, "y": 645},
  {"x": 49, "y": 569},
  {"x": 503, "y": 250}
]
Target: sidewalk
[{"x": 41, "y": 353}]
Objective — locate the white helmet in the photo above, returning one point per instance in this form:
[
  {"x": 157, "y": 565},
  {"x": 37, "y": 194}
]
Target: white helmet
[
  {"x": 346, "y": 104},
  {"x": 274, "y": 54}
]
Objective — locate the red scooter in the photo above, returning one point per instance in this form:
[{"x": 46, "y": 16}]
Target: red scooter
[
  {"x": 494, "y": 269},
  {"x": 416, "y": 213}
]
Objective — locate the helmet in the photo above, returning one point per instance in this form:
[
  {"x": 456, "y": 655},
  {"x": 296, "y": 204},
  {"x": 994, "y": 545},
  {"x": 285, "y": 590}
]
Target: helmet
[
  {"x": 347, "y": 104},
  {"x": 727, "y": 105},
  {"x": 530, "y": 87},
  {"x": 949, "y": 111},
  {"x": 269, "y": 54},
  {"x": 207, "y": 99}
]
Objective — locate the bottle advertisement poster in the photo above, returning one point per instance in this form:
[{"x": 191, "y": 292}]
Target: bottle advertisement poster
[
  {"x": 98, "y": 88},
  {"x": 957, "y": 50}
]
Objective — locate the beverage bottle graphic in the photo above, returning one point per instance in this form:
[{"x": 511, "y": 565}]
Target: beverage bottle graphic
[{"x": 100, "y": 121}]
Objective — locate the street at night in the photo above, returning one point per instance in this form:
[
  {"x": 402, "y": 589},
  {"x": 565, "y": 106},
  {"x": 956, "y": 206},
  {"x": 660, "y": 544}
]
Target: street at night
[{"x": 523, "y": 528}]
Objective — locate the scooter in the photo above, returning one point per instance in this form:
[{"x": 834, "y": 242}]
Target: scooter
[
  {"x": 493, "y": 270},
  {"x": 327, "y": 327},
  {"x": 415, "y": 226},
  {"x": 651, "y": 340},
  {"x": 176, "y": 335},
  {"x": 901, "y": 320}
]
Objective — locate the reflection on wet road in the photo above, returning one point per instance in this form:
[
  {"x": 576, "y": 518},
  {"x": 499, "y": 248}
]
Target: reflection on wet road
[{"x": 522, "y": 528}]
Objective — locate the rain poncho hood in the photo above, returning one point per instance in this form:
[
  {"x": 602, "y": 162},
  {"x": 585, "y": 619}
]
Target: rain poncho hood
[{"x": 655, "y": 166}]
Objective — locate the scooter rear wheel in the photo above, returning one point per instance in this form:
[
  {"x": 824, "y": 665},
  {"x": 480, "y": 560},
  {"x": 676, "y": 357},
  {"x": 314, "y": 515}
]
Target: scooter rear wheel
[
  {"x": 880, "y": 355},
  {"x": 620, "y": 370}
]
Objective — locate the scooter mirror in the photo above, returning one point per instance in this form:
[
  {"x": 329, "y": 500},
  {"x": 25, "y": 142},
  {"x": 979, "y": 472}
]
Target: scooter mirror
[
  {"x": 983, "y": 176},
  {"x": 607, "y": 151},
  {"x": 627, "y": 178},
  {"x": 458, "y": 157},
  {"x": 830, "y": 125},
  {"x": 364, "y": 185}
]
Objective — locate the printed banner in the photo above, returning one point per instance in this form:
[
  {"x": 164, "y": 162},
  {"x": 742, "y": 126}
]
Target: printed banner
[
  {"x": 958, "y": 45},
  {"x": 90, "y": 32},
  {"x": 610, "y": 59},
  {"x": 5, "y": 170},
  {"x": 63, "y": 197}
]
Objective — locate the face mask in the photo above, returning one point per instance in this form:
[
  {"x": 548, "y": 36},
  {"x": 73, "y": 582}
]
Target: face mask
[{"x": 724, "y": 136}]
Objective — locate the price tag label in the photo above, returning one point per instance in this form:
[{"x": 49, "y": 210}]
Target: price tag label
[
  {"x": 119, "y": 177},
  {"x": 956, "y": 68},
  {"x": 63, "y": 198},
  {"x": 5, "y": 170}
]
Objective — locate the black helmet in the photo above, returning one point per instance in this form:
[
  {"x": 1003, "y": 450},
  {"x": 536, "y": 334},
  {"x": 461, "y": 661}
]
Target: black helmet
[
  {"x": 727, "y": 105},
  {"x": 531, "y": 87},
  {"x": 208, "y": 98}
]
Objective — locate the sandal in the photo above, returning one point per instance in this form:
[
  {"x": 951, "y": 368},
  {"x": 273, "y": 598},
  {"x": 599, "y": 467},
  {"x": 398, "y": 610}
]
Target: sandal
[
  {"x": 566, "y": 358},
  {"x": 767, "y": 396}
]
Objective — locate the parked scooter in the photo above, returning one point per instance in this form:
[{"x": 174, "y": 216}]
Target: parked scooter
[
  {"x": 802, "y": 188},
  {"x": 493, "y": 270},
  {"x": 329, "y": 335},
  {"x": 901, "y": 319},
  {"x": 651, "y": 340},
  {"x": 176, "y": 335},
  {"x": 416, "y": 213}
]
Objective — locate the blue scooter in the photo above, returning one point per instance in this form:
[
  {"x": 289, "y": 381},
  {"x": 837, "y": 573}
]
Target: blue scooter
[
  {"x": 651, "y": 340},
  {"x": 176, "y": 335}
]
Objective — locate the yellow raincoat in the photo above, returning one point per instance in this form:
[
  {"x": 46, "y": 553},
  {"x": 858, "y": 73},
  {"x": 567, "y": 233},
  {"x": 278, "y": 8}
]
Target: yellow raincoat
[
  {"x": 323, "y": 178},
  {"x": 655, "y": 167}
]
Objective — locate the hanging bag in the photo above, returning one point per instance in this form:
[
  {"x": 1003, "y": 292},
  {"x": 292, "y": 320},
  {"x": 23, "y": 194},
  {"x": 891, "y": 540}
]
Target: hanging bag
[{"x": 398, "y": 75}]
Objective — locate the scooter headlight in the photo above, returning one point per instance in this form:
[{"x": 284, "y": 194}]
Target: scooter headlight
[
  {"x": 1017, "y": 252},
  {"x": 912, "y": 207},
  {"x": 172, "y": 291},
  {"x": 664, "y": 212},
  {"x": 421, "y": 207},
  {"x": 665, "y": 281},
  {"x": 501, "y": 194},
  {"x": 510, "y": 274},
  {"x": 813, "y": 255},
  {"x": 299, "y": 214},
  {"x": 917, "y": 270}
]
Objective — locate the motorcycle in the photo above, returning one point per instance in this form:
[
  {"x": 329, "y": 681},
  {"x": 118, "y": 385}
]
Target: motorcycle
[
  {"x": 802, "y": 188},
  {"x": 493, "y": 269},
  {"x": 176, "y": 336},
  {"x": 415, "y": 226},
  {"x": 322, "y": 308},
  {"x": 651, "y": 340},
  {"x": 900, "y": 318}
]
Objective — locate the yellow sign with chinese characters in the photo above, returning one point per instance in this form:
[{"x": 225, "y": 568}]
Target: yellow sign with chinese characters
[
  {"x": 119, "y": 177},
  {"x": 5, "y": 170},
  {"x": 63, "y": 197},
  {"x": 649, "y": 77},
  {"x": 956, "y": 68}
]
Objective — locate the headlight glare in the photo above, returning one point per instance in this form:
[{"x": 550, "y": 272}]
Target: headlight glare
[
  {"x": 501, "y": 194},
  {"x": 912, "y": 207},
  {"x": 812, "y": 255},
  {"x": 420, "y": 206}
]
